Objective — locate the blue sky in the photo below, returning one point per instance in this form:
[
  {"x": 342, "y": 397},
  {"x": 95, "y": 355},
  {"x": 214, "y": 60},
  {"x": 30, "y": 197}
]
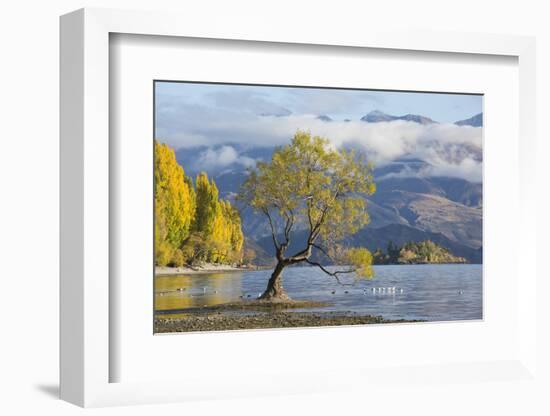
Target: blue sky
[{"x": 336, "y": 103}]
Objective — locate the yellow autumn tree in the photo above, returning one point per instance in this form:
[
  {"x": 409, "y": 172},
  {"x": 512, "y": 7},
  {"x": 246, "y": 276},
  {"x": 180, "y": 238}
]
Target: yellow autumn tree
[
  {"x": 191, "y": 222},
  {"x": 227, "y": 236},
  {"x": 236, "y": 237},
  {"x": 174, "y": 206},
  {"x": 217, "y": 223},
  {"x": 207, "y": 205}
]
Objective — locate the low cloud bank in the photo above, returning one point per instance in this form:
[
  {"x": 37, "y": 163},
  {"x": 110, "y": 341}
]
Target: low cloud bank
[
  {"x": 213, "y": 159},
  {"x": 449, "y": 149}
]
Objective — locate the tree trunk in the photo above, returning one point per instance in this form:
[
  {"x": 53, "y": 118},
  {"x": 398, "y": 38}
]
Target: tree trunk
[{"x": 275, "y": 291}]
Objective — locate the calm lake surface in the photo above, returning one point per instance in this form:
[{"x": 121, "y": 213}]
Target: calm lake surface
[{"x": 429, "y": 292}]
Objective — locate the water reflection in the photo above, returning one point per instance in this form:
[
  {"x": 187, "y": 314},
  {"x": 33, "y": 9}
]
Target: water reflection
[
  {"x": 427, "y": 292},
  {"x": 195, "y": 291}
]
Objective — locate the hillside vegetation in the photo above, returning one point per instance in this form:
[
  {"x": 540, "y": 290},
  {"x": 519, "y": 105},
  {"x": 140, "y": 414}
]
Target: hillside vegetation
[{"x": 423, "y": 252}]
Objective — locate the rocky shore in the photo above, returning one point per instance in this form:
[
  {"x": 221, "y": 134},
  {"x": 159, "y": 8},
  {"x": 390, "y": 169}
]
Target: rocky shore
[{"x": 219, "y": 321}]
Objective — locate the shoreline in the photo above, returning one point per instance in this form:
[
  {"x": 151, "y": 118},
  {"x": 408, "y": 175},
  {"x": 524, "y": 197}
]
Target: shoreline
[
  {"x": 273, "y": 320},
  {"x": 225, "y": 268},
  {"x": 209, "y": 268},
  {"x": 261, "y": 314},
  {"x": 203, "y": 269}
]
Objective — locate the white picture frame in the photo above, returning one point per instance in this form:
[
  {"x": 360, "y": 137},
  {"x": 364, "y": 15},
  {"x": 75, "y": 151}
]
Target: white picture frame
[{"x": 86, "y": 356}]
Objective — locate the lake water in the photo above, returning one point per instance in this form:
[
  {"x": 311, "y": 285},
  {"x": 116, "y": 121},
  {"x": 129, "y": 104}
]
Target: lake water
[{"x": 426, "y": 292}]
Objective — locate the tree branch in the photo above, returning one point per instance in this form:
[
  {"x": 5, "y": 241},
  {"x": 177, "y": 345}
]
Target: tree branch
[
  {"x": 300, "y": 256},
  {"x": 317, "y": 228},
  {"x": 273, "y": 235},
  {"x": 322, "y": 250},
  {"x": 289, "y": 224},
  {"x": 333, "y": 274}
]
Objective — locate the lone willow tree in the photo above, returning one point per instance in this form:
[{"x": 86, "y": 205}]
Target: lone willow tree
[{"x": 311, "y": 185}]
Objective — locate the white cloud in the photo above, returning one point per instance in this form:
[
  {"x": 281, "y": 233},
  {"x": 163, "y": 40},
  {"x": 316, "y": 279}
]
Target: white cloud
[
  {"x": 467, "y": 168},
  {"x": 220, "y": 157},
  {"x": 451, "y": 150}
]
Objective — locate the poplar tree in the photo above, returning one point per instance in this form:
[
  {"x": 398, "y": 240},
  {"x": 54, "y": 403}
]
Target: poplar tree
[
  {"x": 174, "y": 204},
  {"x": 191, "y": 222}
]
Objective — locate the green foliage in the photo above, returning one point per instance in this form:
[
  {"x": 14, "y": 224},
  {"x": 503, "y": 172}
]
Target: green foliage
[
  {"x": 361, "y": 259},
  {"x": 310, "y": 179},
  {"x": 416, "y": 253},
  {"x": 207, "y": 205},
  {"x": 191, "y": 223},
  {"x": 196, "y": 248},
  {"x": 178, "y": 258},
  {"x": 311, "y": 182},
  {"x": 164, "y": 253}
]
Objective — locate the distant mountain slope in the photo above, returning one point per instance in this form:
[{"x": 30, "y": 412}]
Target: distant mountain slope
[
  {"x": 436, "y": 214},
  {"x": 402, "y": 167},
  {"x": 377, "y": 116},
  {"x": 276, "y": 112},
  {"x": 261, "y": 257},
  {"x": 404, "y": 196},
  {"x": 454, "y": 189},
  {"x": 324, "y": 117},
  {"x": 475, "y": 121},
  {"x": 374, "y": 238},
  {"x": 410, "y": 191},
  {"x": 461, "y": 191},
  {"x": 424, "y": 212},
  {"x": 378, "y": 238}
]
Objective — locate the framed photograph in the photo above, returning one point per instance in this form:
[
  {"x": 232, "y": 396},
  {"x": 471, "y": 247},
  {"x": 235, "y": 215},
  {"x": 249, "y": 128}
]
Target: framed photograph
[
  {"x": 281, "y": 206},
  {"x": 288, "y": 197}
]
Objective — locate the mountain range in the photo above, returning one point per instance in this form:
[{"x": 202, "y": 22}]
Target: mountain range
[
  {"x": 412, "y": 203},
  {"x": 475, "y": 121},
  {"x": 377, "y": 116}
]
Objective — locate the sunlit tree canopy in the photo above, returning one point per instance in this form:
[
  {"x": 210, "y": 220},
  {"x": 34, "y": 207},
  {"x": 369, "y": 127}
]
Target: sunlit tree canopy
[{"x": 311, "y": 183}]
